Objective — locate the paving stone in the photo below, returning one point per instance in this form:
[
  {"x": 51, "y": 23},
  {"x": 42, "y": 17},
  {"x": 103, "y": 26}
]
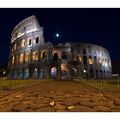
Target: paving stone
[
  {"x": 96, "y": 99},
  {"x": 101, "y": 108},
  {"x": 117, "y": 101},
  {"x": 20, "y": 108},
  {"x": 82, "y": 109},
  {"x": 60, "y": 107},
  {"x": 69, "y": 102},
  {"x": 6, "y": 109}
]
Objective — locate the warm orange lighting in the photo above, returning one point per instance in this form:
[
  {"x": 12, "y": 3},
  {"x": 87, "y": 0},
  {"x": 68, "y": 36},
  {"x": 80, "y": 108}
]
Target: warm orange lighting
[
  {"x": 23, "y": 44},
  {"x": 21, "y": 57},
  {"x": 27, "y": 57},
  {"x": 43, "y": 52},
  {"x": 35, "y": 56},
  {"x": 63, "y": 67},
  {"x": 90, "y": 60},
  {"x": 13, "y": 60}
]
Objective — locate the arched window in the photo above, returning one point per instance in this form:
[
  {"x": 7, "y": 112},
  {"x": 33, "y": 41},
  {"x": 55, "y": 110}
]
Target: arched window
[
  {"x": 84, "y": 60},
  {"x": 21, "y": 58},
  {"x": 29, "y": 42},
  {"x": 35, "y": 56},
  {"x": 37, "y": 39},
  {"x": 43, "y": 54},
  {"x": 27, "y": 57},
  {"x": 78, "y": 58},
  {"x": 90, "y": 60},
  {"x": 64, "y": 55},
  {"x": 55, "y": 56}
]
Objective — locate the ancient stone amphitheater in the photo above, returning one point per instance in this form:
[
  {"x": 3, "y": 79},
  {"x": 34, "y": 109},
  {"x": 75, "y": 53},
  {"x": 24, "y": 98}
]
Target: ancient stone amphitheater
[{"x": 32, "y": 57}]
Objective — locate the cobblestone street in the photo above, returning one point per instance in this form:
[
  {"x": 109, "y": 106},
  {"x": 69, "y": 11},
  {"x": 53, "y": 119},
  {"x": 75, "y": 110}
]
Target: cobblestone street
[{"x": 59, "y": 96}]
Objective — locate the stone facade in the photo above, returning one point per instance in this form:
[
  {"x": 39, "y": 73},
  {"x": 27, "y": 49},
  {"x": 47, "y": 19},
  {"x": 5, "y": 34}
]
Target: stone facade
[{"x": 31, "y": 57}]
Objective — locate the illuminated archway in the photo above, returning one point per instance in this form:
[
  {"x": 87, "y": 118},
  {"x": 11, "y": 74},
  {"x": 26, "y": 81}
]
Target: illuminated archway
[
  {"x": 64, "y": 71},
  {"x": 35, "y": 56},
  {"x": 21, "y": 58},
  {"x": 27, "y": 57},
  {"x": 22, "y": 43},
  {"x": 53, "y": 72},
  {"x": 43, "y": 54}
]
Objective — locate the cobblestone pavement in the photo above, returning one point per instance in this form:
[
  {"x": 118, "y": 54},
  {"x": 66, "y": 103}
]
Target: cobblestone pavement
[{"x": 59, "y": 96}]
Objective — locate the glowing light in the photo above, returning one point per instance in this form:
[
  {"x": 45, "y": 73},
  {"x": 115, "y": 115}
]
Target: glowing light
[
  {"x": 84, "y": 71},
  {"x": 57, "y": 35},
  {"x": 54, "y": 71}
]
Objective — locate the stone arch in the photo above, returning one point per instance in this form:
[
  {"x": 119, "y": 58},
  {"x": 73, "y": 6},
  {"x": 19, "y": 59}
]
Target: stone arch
[
  {"x": 26, "y": 73},
  {"x": 74, "y": 72},
  {"x": 35, "y": 56},
  {"x": 21, "y": 58},
  {"x": 43, "y": 54},
  {"x": 53, "y": 72},
  {"x": 55, "y": 55},
  {"x": 37, "y": 40},
  {"x": 27, "y": 57},
  {"x": 64, "y": 72},
  {"x": 91, "y": 73},
  {"x": 64, "y": 55}
]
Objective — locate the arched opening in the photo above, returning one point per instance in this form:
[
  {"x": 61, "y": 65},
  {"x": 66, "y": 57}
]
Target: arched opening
[
  {"x": 42, "y": 73},
  {"x": 37, "y": 39},
  {"x": 54, "y": 72},
  {"x": 29, "y": 42},
  {"x": 85, "y": 60},
  {"x": 43, "y": 54},
  {"x": 95, "y": 59},
  {"x": 35, "y": 56},
  {"x": 22, "y": 43},
  {"x": 21, "y": 58},
  {"x": 91, "y": 73},
  {"x": 64, "y": 72},
  {"x": 55, "y": 56},
  {"x": 74, "y": 72},
  {"x": 19, "y": 74},
  {"x": 26, "y": 73},
  {"x": 27, "y": 57},
  {"x": 97, "y": 75},
  {"x": 15, "y": 74},
  {"x": 90, "y": 60},
  {"x": 64, "y": 55}
]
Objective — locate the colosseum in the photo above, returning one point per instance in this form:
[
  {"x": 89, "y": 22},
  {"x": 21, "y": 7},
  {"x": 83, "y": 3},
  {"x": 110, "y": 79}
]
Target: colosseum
[{"x": 32, "y": 57}]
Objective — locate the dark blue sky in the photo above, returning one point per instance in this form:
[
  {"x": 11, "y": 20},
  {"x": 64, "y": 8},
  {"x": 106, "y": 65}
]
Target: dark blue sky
[{"x": 99, "y": 26}]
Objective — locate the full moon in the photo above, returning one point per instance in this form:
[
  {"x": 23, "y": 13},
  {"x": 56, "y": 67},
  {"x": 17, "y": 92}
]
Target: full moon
[{"x": 57, "y": 35}]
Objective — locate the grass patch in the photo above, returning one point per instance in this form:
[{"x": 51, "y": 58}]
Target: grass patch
[
  {"x": 13, "y": 84},
  {"x": 103, "y": 84}
]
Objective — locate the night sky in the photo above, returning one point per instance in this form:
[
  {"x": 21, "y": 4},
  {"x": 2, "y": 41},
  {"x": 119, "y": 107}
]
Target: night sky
[{"x": 99, "y": 26}]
